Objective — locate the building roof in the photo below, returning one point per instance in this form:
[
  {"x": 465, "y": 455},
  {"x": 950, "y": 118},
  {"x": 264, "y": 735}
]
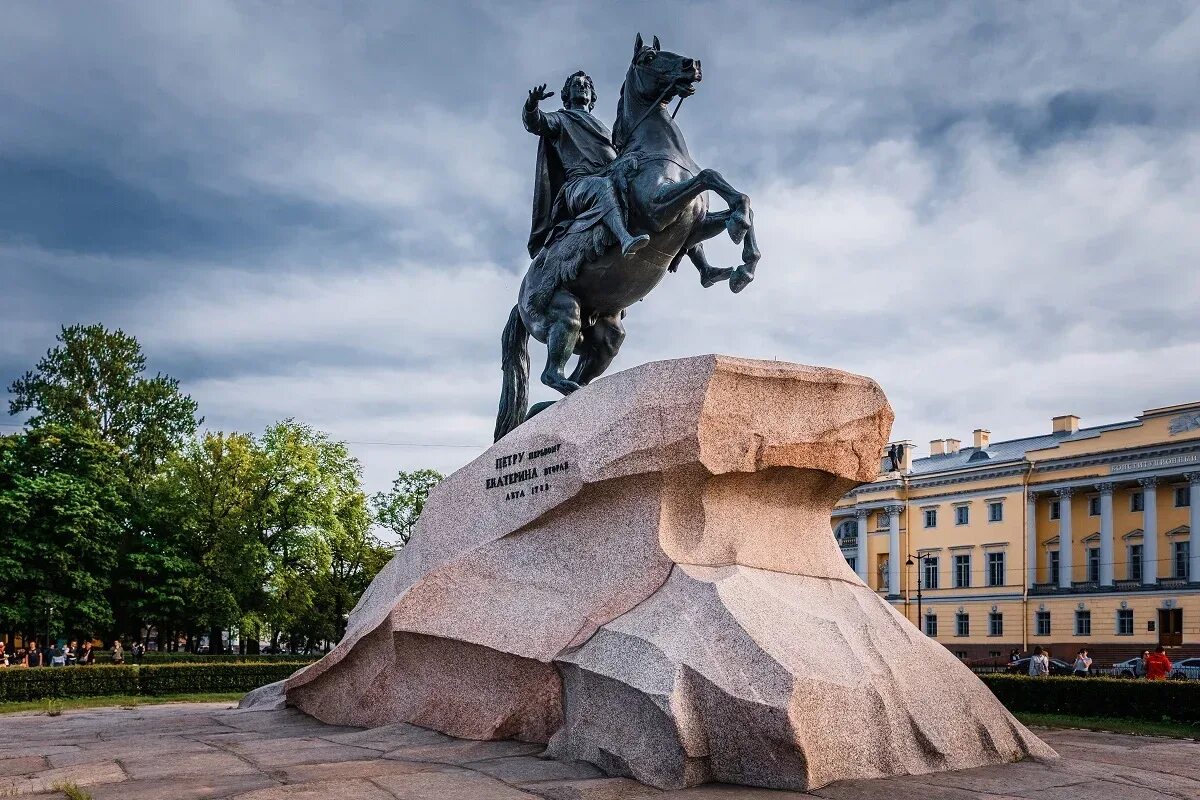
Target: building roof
[{"x": 1002, "y": 452}]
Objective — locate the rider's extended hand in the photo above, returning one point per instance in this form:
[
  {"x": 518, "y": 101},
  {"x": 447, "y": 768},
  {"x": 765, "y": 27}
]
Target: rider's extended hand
[{"x": 537, "y": 94}]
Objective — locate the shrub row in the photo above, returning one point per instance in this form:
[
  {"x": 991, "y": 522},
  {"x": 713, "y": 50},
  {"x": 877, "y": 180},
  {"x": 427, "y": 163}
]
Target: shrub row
[
  {"x": 46, "y": 682},
  {"x": 1099, "y": 697},
  {"x": 157, "y": 657}
]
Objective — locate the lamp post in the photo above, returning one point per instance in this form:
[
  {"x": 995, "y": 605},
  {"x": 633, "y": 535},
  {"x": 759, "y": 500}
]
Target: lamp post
[{"x": 920, "y": 616}]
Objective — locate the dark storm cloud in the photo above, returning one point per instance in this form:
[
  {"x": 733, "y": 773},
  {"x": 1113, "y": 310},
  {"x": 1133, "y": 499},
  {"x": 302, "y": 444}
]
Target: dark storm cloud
[{"x": 318, "y": 211}]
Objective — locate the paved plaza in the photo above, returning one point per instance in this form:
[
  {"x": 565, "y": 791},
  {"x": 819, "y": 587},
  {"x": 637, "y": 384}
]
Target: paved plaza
[{"x": 210, "y": 750}]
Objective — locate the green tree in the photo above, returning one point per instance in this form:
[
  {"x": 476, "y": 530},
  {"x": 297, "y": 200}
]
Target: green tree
[
  {"x": 400, "y": 508},
  {"x": 62, "y": 503},
  {"x": 94, "y": 380},
  {"x": 204, "y": 502}
]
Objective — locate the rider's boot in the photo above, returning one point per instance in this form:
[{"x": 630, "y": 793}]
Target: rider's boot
[{"x": 630, "y": 244}]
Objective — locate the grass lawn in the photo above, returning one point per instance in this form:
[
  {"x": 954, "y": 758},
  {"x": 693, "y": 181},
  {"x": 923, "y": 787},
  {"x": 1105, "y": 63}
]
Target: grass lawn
[
  {"x": 68, "y": 703},
  {"x": 1136, "y": 727}
]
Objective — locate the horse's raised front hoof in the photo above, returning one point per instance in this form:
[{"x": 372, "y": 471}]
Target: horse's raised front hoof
[
  {"x": 740, "y": 279},
  {"x": 714, "y": 275},
  {"x": 738, "y": 226}
]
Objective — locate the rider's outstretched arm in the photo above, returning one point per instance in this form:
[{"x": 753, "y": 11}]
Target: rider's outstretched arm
[{"x": 536, "y": 122}]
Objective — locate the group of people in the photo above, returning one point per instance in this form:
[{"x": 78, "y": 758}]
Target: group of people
[
  {"x": 1154, "y": 666},
  {"x": 58, "y": 655}
]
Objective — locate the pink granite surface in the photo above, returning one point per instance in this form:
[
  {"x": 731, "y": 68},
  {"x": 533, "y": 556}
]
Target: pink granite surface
[{"x": 644, "y": 577}]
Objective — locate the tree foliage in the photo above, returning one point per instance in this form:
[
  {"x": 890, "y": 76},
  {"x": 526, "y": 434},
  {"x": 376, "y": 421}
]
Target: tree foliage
[
  {"x": 62, "y": 505},
  {"x": 400, "y": 508},
  {"x": 93, "y": 381},
  {"x": 116, "y": 512}
]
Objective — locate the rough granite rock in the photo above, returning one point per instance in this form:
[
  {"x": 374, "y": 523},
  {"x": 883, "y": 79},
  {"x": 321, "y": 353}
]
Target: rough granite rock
[{"x": 644, "y": 576}]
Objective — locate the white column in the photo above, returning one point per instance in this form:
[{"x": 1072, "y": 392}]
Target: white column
[
  {"x": 1194, "y": 526},
  {"x": 1106, "y": 533},
  {"x": 1149, "y": 530},
  {"x": 1031, "y": 549},
  {"x": 1066, "y": 545},
  {"x": 895, "y": 557},
  {"x": 860, "y": 559}
]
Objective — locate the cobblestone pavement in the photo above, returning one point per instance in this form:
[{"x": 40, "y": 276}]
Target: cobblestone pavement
[{"x": 209, "y": 750}]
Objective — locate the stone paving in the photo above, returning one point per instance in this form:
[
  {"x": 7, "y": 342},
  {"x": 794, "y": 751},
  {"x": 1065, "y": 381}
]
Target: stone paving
[{"x": 209, "y": 750}]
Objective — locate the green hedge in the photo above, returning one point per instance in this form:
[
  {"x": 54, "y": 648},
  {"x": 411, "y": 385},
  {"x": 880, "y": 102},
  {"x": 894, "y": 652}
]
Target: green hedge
[
  {"x": 1099, "y": 697},
  {"x": 155, "y": 657},
  {"x": 46, "y": 682}
]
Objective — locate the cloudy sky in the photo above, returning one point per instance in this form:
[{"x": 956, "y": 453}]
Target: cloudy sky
[{"x": 319, "y": 210}]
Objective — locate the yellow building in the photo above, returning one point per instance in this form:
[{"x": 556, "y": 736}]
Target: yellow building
[{"x": 1079, "y": 537}]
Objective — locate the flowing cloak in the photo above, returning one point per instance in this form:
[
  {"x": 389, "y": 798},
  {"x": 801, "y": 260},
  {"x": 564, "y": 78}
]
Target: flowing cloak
[{"x": 571, "y": 144}]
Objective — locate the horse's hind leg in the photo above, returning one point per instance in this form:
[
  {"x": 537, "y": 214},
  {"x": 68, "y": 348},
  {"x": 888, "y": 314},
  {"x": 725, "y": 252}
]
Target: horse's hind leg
[
  {"x": 563, "y": 322},
  {"x": 709, "y": 275},
  {"x": 600, "y": 345}
]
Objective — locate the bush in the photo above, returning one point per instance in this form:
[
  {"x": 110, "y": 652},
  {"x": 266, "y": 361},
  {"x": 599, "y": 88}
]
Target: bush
[
  {"x": 206, "y": 678},
  {"x": 41, "y": 683},
  {"x": 163, "y": 657},
  {"x": 49, "y": 682},
  {"x": 1099, "y": 697}
]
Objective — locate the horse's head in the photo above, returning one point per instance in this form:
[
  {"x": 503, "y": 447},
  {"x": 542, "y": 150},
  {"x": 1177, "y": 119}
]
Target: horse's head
[{"x": 658, "y": 74}]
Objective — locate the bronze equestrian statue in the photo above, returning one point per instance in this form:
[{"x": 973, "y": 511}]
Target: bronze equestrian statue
[{"x": 612, "y": 215}]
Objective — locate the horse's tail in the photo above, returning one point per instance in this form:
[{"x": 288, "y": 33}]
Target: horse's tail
[{"x": 514, "y": 396}]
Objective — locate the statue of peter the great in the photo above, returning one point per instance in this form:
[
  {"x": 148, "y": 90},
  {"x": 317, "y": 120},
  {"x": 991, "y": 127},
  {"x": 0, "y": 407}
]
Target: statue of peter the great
[{"x": 570, "y": 188}]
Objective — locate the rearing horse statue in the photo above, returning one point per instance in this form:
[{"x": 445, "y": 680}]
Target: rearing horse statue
[{"x": 574, "y": 303}]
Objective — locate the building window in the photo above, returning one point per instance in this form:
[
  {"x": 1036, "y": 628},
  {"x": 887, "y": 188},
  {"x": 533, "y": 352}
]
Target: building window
[
  {"x": 931, "y": 518},
  {"x": 1083, "y": 623},
  {"x": 852, "y": 562},
  {"x": 1055, "y": 509},
  {"x": 1137, "y": 502},
  {"x": 1135, "y": 562},
  {"x": 962, "y": 624},
  {"x": 930, "y": 569},
  {"x": 962, "y": 515},
  {"x": 995, "y": 562},
  {"x": 995, "y": 512},
  {"x": 931, "y": 625},
  {"x": 962, "y": 571},
  {"x": 1093, "y": 506},
  {"x": 1093, "y": 555},
  {"x": 1183, "y": 498},
  {"x": 1053, "y": 570},
  {"x": 1125, "y": 622},
  {"x": 995, "y": 624},
  {"x": 1043, "y": 623},
  {"x": 1181, "y": 553},
  {"x": 846, "y": 532}
]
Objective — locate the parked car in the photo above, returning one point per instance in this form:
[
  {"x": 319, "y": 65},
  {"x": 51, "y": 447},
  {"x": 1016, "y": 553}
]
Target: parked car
[
  {"x": 1129, "y": 668},
  {"x": 1057, "y": 667},
  {"x": 1187, "y": 669}
]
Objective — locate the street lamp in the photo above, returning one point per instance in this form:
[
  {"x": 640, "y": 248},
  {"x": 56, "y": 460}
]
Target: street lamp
[{"x": 920, "y": 616}]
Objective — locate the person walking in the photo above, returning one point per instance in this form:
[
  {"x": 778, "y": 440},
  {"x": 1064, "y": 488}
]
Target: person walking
[
  {"x": 1039, "y": 663},
  {"x": 1083, "y": 663},
  {"x": 138, "y": 650},
  {"x": 86, "y": 656},
  {"x": 72, "y": 653},
  {"x": 1158, "y": 666},
  {"x": 3, "y": 655},
  {"x": 1014, "y": 656},
  {"x": 118, "y": 653}
]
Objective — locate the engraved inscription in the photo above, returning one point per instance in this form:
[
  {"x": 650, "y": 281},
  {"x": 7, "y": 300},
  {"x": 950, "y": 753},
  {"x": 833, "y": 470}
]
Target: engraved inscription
[{"x": 516, "y": 472}]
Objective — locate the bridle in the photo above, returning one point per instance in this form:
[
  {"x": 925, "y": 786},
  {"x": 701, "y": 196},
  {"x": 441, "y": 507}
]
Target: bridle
[{"x": 658, "y": 102}]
